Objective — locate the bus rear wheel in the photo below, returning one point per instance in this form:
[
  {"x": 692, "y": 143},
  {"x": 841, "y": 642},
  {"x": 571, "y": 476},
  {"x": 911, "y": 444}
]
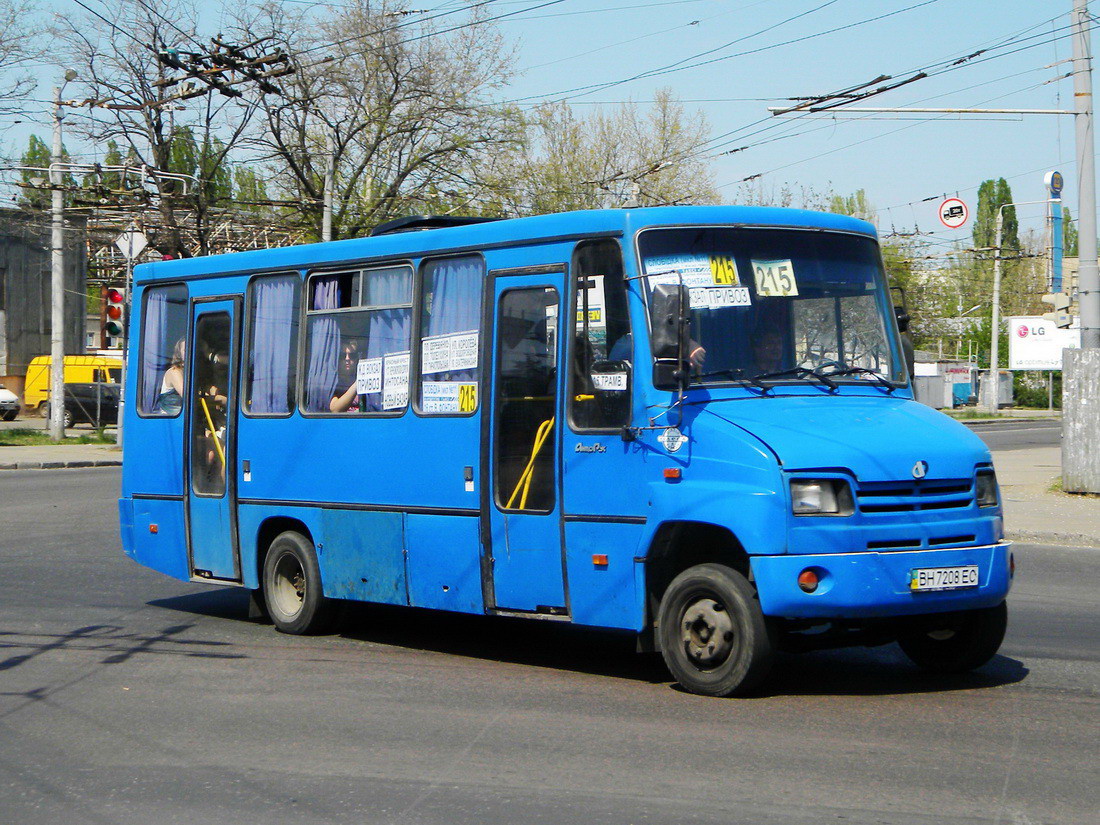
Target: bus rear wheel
[
  {"x": 292, "y": 587},
  {"x": 714, "y": 638},
  {"x": 962, "y": 642}
]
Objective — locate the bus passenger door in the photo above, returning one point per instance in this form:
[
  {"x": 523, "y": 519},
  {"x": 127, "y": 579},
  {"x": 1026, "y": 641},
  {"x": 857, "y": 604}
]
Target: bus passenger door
[
  {"x": 525, "y": 514},
  {"x": 211, "y": 440}
]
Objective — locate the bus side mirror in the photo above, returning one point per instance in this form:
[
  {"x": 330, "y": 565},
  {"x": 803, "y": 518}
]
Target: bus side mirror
[
  {"x": 903, "y": 319},
  {"x": 671, "y": 316}
]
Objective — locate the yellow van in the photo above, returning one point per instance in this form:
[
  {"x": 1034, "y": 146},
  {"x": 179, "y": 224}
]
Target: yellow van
[{"x": 79, "y": 369}]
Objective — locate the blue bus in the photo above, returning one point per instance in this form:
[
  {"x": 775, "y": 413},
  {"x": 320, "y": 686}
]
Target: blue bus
[{"x": 693, "y": 424}]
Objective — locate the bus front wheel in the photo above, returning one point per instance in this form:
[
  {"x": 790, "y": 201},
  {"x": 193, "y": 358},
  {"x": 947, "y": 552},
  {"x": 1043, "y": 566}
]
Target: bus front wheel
[
  {"x": 962, "y": 642},
  {"x": 714, "y": 638},
  {"x": 292, "y": 587}
]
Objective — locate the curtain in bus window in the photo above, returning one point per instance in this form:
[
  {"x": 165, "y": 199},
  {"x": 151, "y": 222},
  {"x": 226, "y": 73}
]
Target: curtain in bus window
[
  {"x": 153, "y": 362},
  {"x": 274, "y": 324},
  {"x": 389, "y": 329},
  {"x": 163, "y": 351},
  {"x": 324, "y": 345},
  {"x": 454, "y": 307}
]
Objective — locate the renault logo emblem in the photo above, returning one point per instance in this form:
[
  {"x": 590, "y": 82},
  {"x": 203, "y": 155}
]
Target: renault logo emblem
[{"x": 920, "y": 469}]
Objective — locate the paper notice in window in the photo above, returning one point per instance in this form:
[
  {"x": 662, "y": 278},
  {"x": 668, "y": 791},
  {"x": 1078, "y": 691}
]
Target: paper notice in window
[
  {"x": 718, "y": 297},
  {"x": 675, "y": 269},
  {"x": 448, "y": 397},
  {"x": 368, "y": 376},
  {"x": 395, "y": 383},
  {"x": 609, "y": 381},
  {"x": 774, "y": 279},
  {"x": 446, "y": 353}
]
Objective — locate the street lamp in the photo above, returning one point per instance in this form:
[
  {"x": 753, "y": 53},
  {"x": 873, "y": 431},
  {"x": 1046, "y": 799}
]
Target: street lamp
[{"x": 57, "y": 279}]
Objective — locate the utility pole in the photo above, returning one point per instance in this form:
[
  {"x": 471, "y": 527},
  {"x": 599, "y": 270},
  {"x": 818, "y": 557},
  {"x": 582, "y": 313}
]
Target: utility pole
[
  {"x": 57, "y": 279},
  {"x": 1081, "y": 368},
  {"x": 1088, "y": 278},
  {"x": 993, "y": 385},
  {"x": 330, "y": 174}
]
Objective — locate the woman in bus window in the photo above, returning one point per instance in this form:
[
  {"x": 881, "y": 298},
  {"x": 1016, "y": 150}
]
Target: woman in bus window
[
  {"x": 347, "y": 400},
  {"x": 170, "y": 399}
]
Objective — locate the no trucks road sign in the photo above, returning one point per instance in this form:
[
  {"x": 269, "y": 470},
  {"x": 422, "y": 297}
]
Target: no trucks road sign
[{"x": 953, "y": 213}]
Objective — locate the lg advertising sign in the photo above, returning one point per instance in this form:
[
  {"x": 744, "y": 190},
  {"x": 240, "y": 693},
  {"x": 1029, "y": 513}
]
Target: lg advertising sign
[{"x": 1036, "y": 344}]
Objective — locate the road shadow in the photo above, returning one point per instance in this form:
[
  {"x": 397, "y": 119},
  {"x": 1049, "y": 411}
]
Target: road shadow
[
  {"x": 878, "y": 671},
  {"x": 119, "y": 644},
  {"x": 547, "y": 644},
  {"x": 561, "y": 646},
  {"x": 219, "y": 602},
  {"x": 539, "y": 643}
]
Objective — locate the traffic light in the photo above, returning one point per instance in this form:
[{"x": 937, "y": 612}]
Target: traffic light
[
  {"x": 1060, "y": 317},
  {"x": 116, "y": 312}
]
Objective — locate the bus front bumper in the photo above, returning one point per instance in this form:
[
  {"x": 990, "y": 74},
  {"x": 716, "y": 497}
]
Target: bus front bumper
[{"x": 877, "y": 584}]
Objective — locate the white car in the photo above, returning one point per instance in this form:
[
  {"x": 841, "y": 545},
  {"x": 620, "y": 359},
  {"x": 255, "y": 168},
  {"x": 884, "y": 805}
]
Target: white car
[{"x": 9, "y": 404}]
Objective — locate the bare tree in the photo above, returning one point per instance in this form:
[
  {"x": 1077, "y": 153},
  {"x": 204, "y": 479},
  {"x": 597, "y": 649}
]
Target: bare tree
[
  {"x": 21, "y": 41},
  {"x": 629, "y": 155},
  {"x": 404, "y": 107},
  {"x": 116, "y": 57}
]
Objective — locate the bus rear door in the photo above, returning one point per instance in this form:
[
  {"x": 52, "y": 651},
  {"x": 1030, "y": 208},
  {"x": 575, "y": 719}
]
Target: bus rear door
[
  {"x": 525, "y": 526},
  {"x": 211, "y": 441}
]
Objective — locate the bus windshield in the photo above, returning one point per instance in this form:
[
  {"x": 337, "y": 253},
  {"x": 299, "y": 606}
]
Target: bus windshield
[{"x": 779, "y": 305}]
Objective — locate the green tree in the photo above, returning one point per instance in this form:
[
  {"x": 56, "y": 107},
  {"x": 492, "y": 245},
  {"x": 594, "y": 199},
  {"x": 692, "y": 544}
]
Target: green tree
[
  {"x": 1069, "y": 233},
  {"x": 251, "y": 190},
  {"x": 626, "y": 155},
  {"x": 37, "y": 194},
  {"x": 855, "y": 205},
  {"x": 992, "y": 195}
]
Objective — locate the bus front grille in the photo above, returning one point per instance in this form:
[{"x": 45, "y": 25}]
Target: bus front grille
[{"x": 914, "y": 496}]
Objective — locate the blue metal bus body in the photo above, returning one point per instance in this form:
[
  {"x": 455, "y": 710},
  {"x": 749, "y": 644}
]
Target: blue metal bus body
[{"x": 400, "y": 506}]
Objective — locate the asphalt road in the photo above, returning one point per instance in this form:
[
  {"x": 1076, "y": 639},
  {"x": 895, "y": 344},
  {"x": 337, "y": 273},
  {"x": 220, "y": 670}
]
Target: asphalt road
[
  {"x": 128, "y": 697},
  {"x": 1020, "y": 434}
]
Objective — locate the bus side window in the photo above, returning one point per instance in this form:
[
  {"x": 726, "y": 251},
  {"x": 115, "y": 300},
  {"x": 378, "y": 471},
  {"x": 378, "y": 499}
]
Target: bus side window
[
  {"x": 358, "y": 330},
  {"x": 163, "y": 350},
  {"x": 272, "y": 351},
  {"x": 602, "y": 355},
  {"x": 450, "y": 335}
]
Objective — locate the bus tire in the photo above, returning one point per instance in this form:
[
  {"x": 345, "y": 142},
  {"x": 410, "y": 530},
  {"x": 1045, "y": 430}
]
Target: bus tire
[
  {"x": 966, "y": 641},
  {"x": 292, "y": 587},
  {"x": 714, "y": 638},
  {"x": 44, "y": 409}
]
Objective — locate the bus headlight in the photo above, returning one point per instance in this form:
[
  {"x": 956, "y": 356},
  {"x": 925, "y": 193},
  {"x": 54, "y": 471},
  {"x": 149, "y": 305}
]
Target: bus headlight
[
  {"x": 821, "y": 497},
  {"x": 985, "y": 488}
]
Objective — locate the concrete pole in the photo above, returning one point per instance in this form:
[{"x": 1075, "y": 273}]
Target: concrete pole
[
  {"x": 993, "y": 384},
  {"x": 330, "y": 173},
  {"x": 1080, "y": 390},
  {"x": 1088, "y": 278},
  {"x": 57, "y": 282}
]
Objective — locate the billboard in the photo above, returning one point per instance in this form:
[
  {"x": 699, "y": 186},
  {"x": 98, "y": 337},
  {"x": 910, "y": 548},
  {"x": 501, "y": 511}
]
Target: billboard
[{"x": 1036, "y": 344}]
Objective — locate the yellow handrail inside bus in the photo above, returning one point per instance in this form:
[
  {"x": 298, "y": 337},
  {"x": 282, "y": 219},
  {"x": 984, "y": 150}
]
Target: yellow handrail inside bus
[
  {"x": 524, "y": 482},
  {"x": 213, "y": 432}
]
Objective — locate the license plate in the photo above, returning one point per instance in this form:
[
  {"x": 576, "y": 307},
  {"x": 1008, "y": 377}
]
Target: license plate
[{"x": 943, "y": 578}]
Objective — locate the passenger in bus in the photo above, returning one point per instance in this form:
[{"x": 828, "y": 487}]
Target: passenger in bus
[
  {"x": 767, "y": 350},
  {"x": 623, "y": 349},
  {"x": 346, "y": 400},
  {"x": 170, "y": 399}
]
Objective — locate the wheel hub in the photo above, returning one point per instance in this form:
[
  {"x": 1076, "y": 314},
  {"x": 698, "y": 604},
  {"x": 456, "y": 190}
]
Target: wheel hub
[
  {"x": 290, "y": 585},
  {"x": 707, "y": 632}
]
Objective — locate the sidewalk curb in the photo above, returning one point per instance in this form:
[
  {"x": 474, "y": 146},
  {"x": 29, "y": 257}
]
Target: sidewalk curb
[
  {"x": 1000, "y": 422},
  {"x": 61, "y": 465},
  {"x": 1061, "y": 539}
]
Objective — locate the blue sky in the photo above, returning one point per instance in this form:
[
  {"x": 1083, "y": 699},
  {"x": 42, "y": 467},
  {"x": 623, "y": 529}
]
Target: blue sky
[
  {"x": 759, "y": 52},
  {"x": 898, "y": 159}
]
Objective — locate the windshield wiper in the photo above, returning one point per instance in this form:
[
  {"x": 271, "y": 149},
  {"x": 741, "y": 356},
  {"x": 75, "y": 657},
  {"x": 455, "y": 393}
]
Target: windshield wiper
[
  {"x": 878, "y": 377},
  {"x": 738, "y": 375},
  {"x": 799, "y": 372}
]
